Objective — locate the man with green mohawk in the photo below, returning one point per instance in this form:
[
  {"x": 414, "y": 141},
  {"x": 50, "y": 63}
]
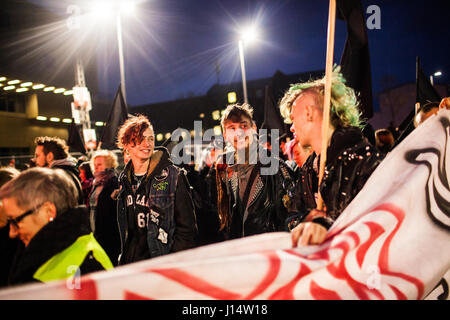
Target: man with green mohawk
[{"x": 350, "y": 158}]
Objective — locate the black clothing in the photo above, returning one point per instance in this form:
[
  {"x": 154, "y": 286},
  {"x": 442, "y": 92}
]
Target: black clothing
[
  {"x": 8, "y": 249},
  {"x": 52, "y": 239},
  {"x": 264, "y": 210},
  {"x": 106, "y": 230},
  {"x": 350, "y": 162},
  {"x": 74, "y": 174}
]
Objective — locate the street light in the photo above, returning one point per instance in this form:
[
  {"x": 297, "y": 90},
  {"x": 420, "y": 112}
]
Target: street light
[
  {"x": 104, "y": 10},
  {"x": 247, "y": 35},
  {"x": 436, "y": 74}
]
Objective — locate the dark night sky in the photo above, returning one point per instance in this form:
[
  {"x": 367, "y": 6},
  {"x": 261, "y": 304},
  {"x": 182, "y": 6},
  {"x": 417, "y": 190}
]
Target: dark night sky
[{"x": 171, "y": 46}]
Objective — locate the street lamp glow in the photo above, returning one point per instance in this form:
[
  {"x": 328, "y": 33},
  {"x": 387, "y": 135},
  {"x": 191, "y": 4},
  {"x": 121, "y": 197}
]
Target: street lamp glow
[
  {"x": 22, "y": 89},
  {"x": 249, "y": 34},
  {"x": 102, "y": 10},
  {"x": 26, "y": 84},
  {"x": 49, "y": 89},
  {"x": 438, "y": 74},
  {"x": 127, "y": 7}
]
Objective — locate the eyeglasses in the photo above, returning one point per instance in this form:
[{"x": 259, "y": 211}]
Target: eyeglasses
[{"x": 16, "y": 220}]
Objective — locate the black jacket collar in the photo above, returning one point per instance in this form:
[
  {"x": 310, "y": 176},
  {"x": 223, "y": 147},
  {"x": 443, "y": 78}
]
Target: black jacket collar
[{"x": 343, "y": 138}]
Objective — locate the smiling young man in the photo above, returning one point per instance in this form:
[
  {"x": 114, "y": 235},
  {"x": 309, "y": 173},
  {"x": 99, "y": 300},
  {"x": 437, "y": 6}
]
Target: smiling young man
[
  {"x": 249, "y": 199},
  {"x": 155, "y": 210}
]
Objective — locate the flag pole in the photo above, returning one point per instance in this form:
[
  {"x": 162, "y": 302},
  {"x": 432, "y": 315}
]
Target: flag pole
[{"x": 327, "y": 97}]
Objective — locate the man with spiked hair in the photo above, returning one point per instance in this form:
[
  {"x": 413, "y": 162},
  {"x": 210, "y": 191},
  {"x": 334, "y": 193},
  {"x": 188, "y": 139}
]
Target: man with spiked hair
[{"x": 350, "y": 158}]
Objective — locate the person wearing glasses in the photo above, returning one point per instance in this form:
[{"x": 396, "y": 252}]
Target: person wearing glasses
[
  {"x": 155, "y": 211},
  {"x": 42, "y": 211}
]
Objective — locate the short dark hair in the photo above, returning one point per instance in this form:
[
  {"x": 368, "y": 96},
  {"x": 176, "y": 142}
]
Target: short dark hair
[
  {"x": 86, "y": 166},
  {"x": 7, "y": 173},
  {"x": 54, "y": 145},
  {"x": 235, "y": 112},
  {"x": 427, "y": 107}
]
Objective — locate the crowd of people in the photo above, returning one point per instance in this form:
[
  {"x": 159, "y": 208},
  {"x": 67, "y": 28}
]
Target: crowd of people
[{"x": 66, "y": 216}]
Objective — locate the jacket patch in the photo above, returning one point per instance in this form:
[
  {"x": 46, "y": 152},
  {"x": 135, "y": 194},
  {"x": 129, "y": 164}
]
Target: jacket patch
[
  {"x": 162, "y": 236},
  {"x": 160, "y": 186},
  {"x": 163, "y": 176},
  {"x": 154, "y": 216}
]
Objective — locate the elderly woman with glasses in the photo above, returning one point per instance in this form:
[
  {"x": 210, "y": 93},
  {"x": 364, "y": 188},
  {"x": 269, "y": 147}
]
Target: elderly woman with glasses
[{"x": 42, "y": 211}]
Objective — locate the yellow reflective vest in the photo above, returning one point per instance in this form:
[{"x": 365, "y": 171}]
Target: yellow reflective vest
[{"x": 65, "y": 264}]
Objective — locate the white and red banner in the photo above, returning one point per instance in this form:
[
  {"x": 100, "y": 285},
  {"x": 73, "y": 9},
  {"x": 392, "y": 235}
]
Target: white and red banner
[{"x": 392, "y": 242}]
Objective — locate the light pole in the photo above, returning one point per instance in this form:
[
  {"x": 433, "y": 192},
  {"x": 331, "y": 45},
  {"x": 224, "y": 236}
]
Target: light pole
[
  {"x": 244, "y": 80},
  {"x": 121, "y": 64},
  {"x": 247, "y": 35},
  {"x": 103, "y": 9}
]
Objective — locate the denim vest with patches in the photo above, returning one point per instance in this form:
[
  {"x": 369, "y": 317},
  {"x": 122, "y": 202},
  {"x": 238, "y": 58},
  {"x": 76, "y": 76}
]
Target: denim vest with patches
[
  {"x": 161, "y": 191},
  {"x": 161, "y": 225}
]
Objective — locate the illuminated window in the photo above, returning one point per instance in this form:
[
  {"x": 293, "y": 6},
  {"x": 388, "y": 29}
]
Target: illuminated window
[
  {"x": 217, "y": 130},
  {"x": 232, "y": 97},
  {"x": 216, "y": 115}
]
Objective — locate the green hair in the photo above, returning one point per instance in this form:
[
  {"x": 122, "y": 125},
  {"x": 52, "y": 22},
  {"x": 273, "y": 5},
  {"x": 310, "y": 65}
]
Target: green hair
[{"x": 344, "y": 101}]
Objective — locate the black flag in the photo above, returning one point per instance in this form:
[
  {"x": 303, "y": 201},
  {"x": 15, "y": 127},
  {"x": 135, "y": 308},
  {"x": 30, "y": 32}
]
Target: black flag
[
  {"x": 425, "y": 93},
  {"x": 355, "y": 60},
  {"x": 272, "y": 116},
  {"x": 75, "y": 140},
  {"x": 117, "y": 116}
]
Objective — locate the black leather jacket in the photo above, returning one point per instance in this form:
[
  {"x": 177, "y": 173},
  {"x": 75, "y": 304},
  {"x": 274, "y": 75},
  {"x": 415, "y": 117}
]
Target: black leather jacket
[
  {"x": 266, "y": 212},
  {"x": 351, "y": 159}
]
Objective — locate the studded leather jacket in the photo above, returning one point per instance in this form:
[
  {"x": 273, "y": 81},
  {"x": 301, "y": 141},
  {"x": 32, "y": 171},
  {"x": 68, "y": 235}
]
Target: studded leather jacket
[{"x": 351, "y": 159}]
